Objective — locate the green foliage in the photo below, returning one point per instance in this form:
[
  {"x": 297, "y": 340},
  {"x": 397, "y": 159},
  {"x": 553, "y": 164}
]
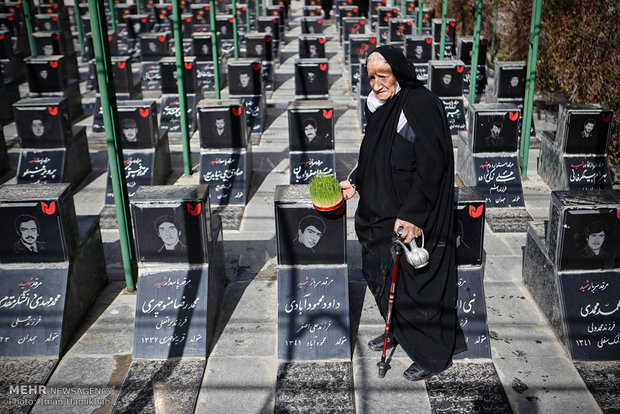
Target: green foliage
[
  {"x": 325, "y": 191},
  {"x": 579, "y": 47}
]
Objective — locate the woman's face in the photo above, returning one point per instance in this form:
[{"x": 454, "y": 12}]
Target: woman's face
[{"x": 382, "y": 80}]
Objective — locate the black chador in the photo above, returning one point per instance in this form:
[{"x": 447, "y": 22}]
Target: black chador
[{"x": 410, "y": 176}]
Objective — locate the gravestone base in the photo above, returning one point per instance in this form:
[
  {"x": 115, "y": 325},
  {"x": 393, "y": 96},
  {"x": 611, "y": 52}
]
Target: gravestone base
[
  {"x": 69, "y": 165},
  {"x": 228, "y": 173},
  {"x": 313, "y": 313},
  {"x": 167, "y": 386},
  {"x": 601, "y": 380},
  {"x": 23, "y": 371},
  {"x": 579, "y": 305},
  {"x": 496, "y": 175},
  {"x": 472, "y": 314},
  {"x": 572, "y": 172},
  {"x": 144, "y": 167},
  {"x": 508, "y": 220},
  {"x": 67, "y": 288},
  {"x": 304, "y": 166},
  {"x": 318, "y": 386}
]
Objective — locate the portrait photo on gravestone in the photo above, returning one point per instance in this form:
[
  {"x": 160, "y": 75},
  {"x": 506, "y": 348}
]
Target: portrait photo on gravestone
[
  {"x": 496, "y": 133},
  {"x": 169, "y": 234},
  {"x": 306, "y": 236},
  {"x": 32, "y": 234},
  {"x": 135, "y": 129},
  {"x": 587, "y": 133},
  {"x": 591, "y": 239},
  {"x": 311, "y": 130}
]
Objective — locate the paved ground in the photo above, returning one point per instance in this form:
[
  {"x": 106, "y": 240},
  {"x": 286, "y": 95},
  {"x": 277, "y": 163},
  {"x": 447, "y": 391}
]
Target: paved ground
[{"x": 528, "y": 365}]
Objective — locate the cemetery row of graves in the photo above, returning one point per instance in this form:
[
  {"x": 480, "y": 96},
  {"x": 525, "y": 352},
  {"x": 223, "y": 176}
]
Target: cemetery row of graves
[{"x": 52, "y": 264}]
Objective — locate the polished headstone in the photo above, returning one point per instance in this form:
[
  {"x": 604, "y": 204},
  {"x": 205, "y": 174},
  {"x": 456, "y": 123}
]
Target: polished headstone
[
  {"x": 311, "y": 24},
  {"x": 228, "y": 173},
  {"x": 472, "y": 313},
  {"x": 311, "y": 46},
  {"x": 469, "y": 226},
  {"x": 400, "y": 28},
  {"x": 493, "y": 128},
  {"x": 509, "y": 80},
  {"x": 304, "y": 166},
  {"x": 455, "y": 111},
  {"x": 464, "y": 50},
  {"x": 43, "y": 122},
  {"x": 245, "y": 77},
  {"x": 446, "y": 77},
  {"x": 311, "y": 79},
  {"x": 481, "y": 81},
  {"x": 418, "y": 48},
  {"x": 311, "y": 125},
  {"x": 222, "y": 124}
]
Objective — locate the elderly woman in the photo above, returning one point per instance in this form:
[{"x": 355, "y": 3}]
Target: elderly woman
[{"x": 405, "y": 178}]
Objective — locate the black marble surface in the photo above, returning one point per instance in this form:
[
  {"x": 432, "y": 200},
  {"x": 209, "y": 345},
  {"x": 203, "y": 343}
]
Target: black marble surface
[
  {"x": 603, "y": 381},
  {"x": 314, "y": 387},
  {"x": 467, "y": 388},
  {"x": 157, "y": 386},
  {"x": 22, "y": 371},
  {"x": 508, "y": 220}
]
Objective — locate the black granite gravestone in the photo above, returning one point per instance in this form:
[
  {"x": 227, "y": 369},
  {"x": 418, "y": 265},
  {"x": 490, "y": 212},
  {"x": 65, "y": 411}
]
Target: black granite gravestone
[
  {"x": 47, "y": 73},
  {"x": 306, "y": 236},
  {"x": 245, "y": 77},
  {"x": 306, "y": 165},
  {"x": 360, "y": 45},
  {"x": 574, "y": 157},
  {"x": 162, "y": 12},
  {"x": 311, "y": 25},
  {"x": 144, "y": 167},
  {"x": 509, "y": 80},
  {"x": 200, "y": 13},
  {"x": 421, "y": 72},
  {"x": 270, "y": 25},
  {"x": 138, "y": 24},
  {"x": 311, "y": 79},
  {"x": 52, "y": 43},
  {"x": 469, "y": 226},
  {"x": 498, "y": 178},
  {"x": 222, "y": 124},
  {"x": 259, "y": 45},
  {"x": 472, "y": 314},
  {"x": 464, "y": 49},
  {"x": 311, "y": 46},
  {"x": 168, "y": 71},
  {"x": 445, "y": 77},
  {"x": 493, "y": 128},
  {"x": 150, "y": 76},
  {"x": 154, "y": 45},
  {"x": 224, "y": 26},
  {"x": 205, "y": 74},
  {"x": 43, "y": 122},
  {"x": 455, "y": 111},
  {"x": 311, "y": 126},
  {"x": 418, "y": 48},
  {"x": 255, "y": 112},
  {"x": 312, "y": 11},
  {"x": 172, "y": 224},
  {"x": 138, "y": 123},
  {"x": 400, "y": 28},
  {"x": 70, "y": 164},
  {"x": 202, "y": 46},
  {"x": 450, "y": 30},
  {"x": 313, "y": 318},
  {"x": 351, "y": 26},
  {"x": 228, "y": 173},
  {"x": 583, "y": 229},
  {"x": 176, "y": 306},
  {"x": 385, "y": 14}
]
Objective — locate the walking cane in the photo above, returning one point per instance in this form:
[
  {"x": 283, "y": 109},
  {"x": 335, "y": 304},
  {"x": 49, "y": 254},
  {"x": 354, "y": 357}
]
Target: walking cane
[{"x": 396, "y": 250}]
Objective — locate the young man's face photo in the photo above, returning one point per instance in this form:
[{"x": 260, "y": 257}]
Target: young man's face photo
[
  {"x": 447, "y": 78},
  {"x": 588, "y": 127},
  {"x": 596, "y": 240},
  {"x": 244, "y": 79},
  {"x": 310, "y": 236},
  {"x": 495, "y": 130},
  {"x": 219, "y": 126},
  {"x": 168, "y": 234},
  {"x": 310, "y": 131},
  {"x": 514, "y": 81}
]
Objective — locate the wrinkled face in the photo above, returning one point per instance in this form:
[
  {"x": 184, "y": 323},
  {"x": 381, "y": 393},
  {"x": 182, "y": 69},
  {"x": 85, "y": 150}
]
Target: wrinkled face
[
  {"x": 596, "y": 240},
  {"x": 168, "y": 233},
  {"x": 244, "y": 79},
  {"x": 310, "y": 131},
  {"x": 382, "y": 80},
  {"x": 38, "y": 129},
  {"x": 310, "y": 236},
  {"x": 28, "y": 232}
]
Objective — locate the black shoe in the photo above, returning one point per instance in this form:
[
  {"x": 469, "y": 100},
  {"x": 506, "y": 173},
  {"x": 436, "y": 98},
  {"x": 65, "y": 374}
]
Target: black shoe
[
  {"x": 377, "y": 343},
  {"x": 415, "y": 373}
]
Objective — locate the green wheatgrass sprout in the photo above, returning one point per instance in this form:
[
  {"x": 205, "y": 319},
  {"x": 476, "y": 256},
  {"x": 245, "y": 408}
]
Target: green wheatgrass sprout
[{"x": 325, "y": 191}]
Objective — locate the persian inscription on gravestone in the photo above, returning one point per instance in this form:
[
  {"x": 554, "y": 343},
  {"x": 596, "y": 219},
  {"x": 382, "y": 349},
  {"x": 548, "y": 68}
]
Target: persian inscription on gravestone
[
  {"x": 499, "y": 181},
  {"x": 304, "y": 166},
  {"x": 41, "y": 166},
  {"x": 455, "y": 113},
  {"x": 471, "y": 312},
  {"x": 587, "y": 173}
]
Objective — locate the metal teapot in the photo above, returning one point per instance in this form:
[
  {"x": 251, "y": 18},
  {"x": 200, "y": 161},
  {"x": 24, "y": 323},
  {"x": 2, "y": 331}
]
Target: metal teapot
[{"x": 416, "y": 256}]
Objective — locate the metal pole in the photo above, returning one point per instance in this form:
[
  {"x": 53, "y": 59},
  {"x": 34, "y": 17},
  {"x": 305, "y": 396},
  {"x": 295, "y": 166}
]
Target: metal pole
[
  {"x": 494, "y": 31},
  {"x": 420, "y": 16},
  {"x": 530, "y": 84},
  {"x": 247, "y": 17},
  {"x": 473, "y": 73},
  {"x": 257, "y": 14},
  {"x": 138, "y": 6},
  {"x": 107, "y": 93},
  {"x": 113, "y": 17},
  {"x": 215, "y": 52},
  {"x": 235, "y": 34},
  {"x": 178, "y": 51},
  {"x": 78, "y": 23},
  {"x": 444, "y": 16},
  {"x": 28, "y": 18}
]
